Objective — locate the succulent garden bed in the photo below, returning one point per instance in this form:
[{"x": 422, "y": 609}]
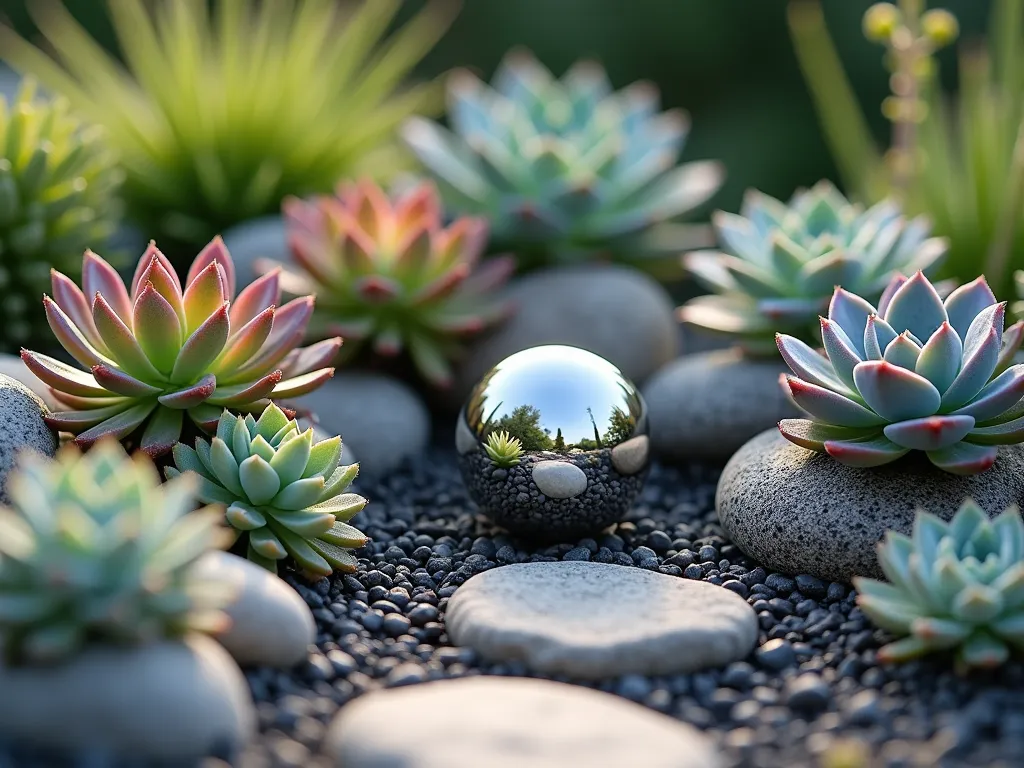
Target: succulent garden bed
[{"x": 813, "y": 686}]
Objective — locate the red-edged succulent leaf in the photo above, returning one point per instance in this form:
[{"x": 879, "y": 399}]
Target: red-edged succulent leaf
[
  {"x": 152, "y": 252},
  {"x": 98, "y": 277},
  {"x": 70, "y": 335},
  {"x": 79, "y": 403},
  {"x": 120, "y": 382},
  {"x": 205, "y": 295},
  {"x": 827, "y": 406},
  {"x": 873, "y": 452},
  {"x": 964, "y": 458},
  {"x": 301, "y": 385},
  {"x": 318, "y": 355},
  {"x": 263, "y": 292},
  {"x": 203, "y": 347},
  {"x": 214, "y": 252},
  {"x": 246, "y": 341},
  {"x": 77, "y": 421},
  {"x": 121, "y": 342},
  {"x": 930, "y": 433},
  {"x": 74, "y": 304},
  {"x": 238, "y": 394},
  {"x": 62, "y": 376},
  {"x": 165, "y": 284},
  {"x": 442, "y": 286},
  {"x": 192, "y": 395},
  {"x": 157, "y": 328},
  {"x": 116, "y": 426},
  {"x": 895, "y": 393},
  {"x": 813, "y": 435},
  {"x": 162, "y": 431}
]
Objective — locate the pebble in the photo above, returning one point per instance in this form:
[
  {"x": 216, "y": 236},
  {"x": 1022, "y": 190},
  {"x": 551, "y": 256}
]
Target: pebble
[
  {"x": 21, "y": 413},
  {"x": 509, "y": 723},
  {"x": 616, "y": 312},
  {"x": 559, "y": 479},
  {"x": 802, "y": 512},
  {"x": 593, "y": 620},
  {"x": 270, "y": 624},
  {"x": 705, "y": 406},
  {"x": 382, "y": 419},
  {"x": 165, "y": 701}
]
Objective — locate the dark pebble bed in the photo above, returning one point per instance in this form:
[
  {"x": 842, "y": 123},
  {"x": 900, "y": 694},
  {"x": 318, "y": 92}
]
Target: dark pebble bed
[
  {"x": 811, "y": 684},
  {"x": 511, "y": 498}
]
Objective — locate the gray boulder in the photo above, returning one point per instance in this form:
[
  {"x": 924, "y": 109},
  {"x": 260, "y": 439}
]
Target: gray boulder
[
  {"x": 22, "y": 414},
  {"x": 798, "y": 511},
  {"x": 705, "y": 406},
  {"x": 618, "y": 313}
]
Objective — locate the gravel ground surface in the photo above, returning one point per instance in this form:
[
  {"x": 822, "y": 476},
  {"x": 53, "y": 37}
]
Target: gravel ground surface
[{"x": 811, "y": 685}]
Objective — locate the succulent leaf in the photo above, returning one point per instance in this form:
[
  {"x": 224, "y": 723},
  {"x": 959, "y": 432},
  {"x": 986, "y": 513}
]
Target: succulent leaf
[
  {"x": 954, "y": 585},
  {"x": 284, "y": 492},
  {"x": 166, "y": 351},
  {"x": 918, "y": 383}
]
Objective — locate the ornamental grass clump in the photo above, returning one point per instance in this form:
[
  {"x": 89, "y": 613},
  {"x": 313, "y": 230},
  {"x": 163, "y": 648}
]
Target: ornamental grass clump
[
  {"x": 160, "y": 352},
  {"x": 282, "y": 493},
  {"x": 95, "y": 550},
  {"x": 389, "y": 276},
  {"x": 952, "y": 586},
  {"x": 781, "y": 262},
  {"x": 565, "y": 169},
  {"x": 917, "y": 373},
  {"x": 58, "y": 193},
  {"x": 221, "y": 110}
]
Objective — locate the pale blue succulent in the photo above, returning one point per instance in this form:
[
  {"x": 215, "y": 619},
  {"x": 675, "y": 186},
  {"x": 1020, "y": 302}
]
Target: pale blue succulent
[
  {"x": 956, "y": 585},
  {"x": 565, "y": 168},
  {"x": 917, "y": 373},
  {"x": 780, "y": 262}
]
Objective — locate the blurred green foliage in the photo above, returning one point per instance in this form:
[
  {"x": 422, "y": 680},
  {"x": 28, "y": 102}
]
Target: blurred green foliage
[{"x": 729, "y": 63}]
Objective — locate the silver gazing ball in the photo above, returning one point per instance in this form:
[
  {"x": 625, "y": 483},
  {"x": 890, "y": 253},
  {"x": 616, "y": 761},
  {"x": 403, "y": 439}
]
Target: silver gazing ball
[{"x": 553, "y": 443}]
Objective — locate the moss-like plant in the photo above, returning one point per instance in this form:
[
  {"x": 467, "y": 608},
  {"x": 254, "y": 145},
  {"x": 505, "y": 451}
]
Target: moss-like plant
[
  {"x": 219, "y": 114},
  {"x": 94, "y": 550},
  {"x": 58, "y": 194},
  {"x": 504, "y": 450},
  {"x": 282, "y": 492},
  {"x": 952, "y": 586}
]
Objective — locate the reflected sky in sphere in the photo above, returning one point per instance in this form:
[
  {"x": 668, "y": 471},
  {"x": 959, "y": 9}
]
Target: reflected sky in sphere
[{"x": 556, "y": 398}]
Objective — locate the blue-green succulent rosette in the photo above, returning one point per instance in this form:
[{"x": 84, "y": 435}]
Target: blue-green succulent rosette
[{"x": 914, "y": 374}]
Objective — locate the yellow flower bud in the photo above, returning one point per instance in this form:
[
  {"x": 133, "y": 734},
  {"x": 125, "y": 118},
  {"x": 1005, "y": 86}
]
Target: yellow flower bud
[
  {"x": 940, "y": 27},
  {"x": 880, "y": 21}
]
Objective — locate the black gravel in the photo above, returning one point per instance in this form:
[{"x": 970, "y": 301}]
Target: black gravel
[
  {"x": 511, "y": 498},
  {"x": 810, "y": 694}
]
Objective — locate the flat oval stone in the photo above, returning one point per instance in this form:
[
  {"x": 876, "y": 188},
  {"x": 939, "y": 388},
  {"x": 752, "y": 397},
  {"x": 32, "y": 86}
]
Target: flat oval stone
[
  {"x": 593, "y": 620},
  {"x": 630, "y": 457},
  {"x": 559, "y": 479},
  {"x": 798, "y": 511},
  {"x": 509, "y": 723}
]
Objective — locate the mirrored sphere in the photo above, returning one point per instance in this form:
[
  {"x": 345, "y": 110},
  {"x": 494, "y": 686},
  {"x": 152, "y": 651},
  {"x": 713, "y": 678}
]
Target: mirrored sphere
[{"x": 553, "y": 442}]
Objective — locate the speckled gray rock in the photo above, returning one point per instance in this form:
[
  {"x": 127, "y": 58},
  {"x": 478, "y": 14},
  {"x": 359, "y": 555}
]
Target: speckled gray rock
[
  {"x": 270, "y": 624},
  {"x": 382, "y": 419},
  {"x": 706, "y": 406},
  {"x": 618, "y": 313},
  {"x": 630, "y": 457},
  {"x": 262, "y": 238},
  {"x": 511, "y": 723},
  {"x": 21, "y": 413},
  {"x": 798, "y": 511},
  {"x": 559, "y": 479},
  {"x": 167, "y": 701},
  {"x": 592, "y": 620},
  {"x": 14, "y": 366}
]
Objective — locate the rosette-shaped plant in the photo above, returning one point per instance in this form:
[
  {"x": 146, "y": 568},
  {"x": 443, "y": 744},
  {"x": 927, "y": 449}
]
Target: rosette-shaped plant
[
  {"x": 782, "y": 261},
  {"x": 916, "y": 373},
  {"x": 565, "y": 169},
  {"x": 58, "y": 185},
  {"x": 388, "y": 274},
  {"x": 93, "y": 549},
  {"x": 283, "y": 492},
  {"x": 160, "y": 352},
  {"x": 956, "y": 585}
]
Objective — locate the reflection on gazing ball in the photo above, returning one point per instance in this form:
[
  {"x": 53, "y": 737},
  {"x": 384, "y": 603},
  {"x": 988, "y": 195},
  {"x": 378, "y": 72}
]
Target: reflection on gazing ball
[{"x": 553, "y": 443}]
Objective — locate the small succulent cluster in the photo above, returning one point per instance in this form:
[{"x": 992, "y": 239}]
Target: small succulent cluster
[
  {"x": 503, "y": 450},
  {"x": 565, "y": 169},
  {"x": 94, "y": 549},
  {"x": 160, "y": 351},
  {"x": 916, "y": 373},
  {"x": 389, "y": 275},
  {"x": 58, "y": 185},
  {"x": 281, "y": 490},
  {"x": 956, "y": 585},
  {"x": 782, "y": 262}
]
